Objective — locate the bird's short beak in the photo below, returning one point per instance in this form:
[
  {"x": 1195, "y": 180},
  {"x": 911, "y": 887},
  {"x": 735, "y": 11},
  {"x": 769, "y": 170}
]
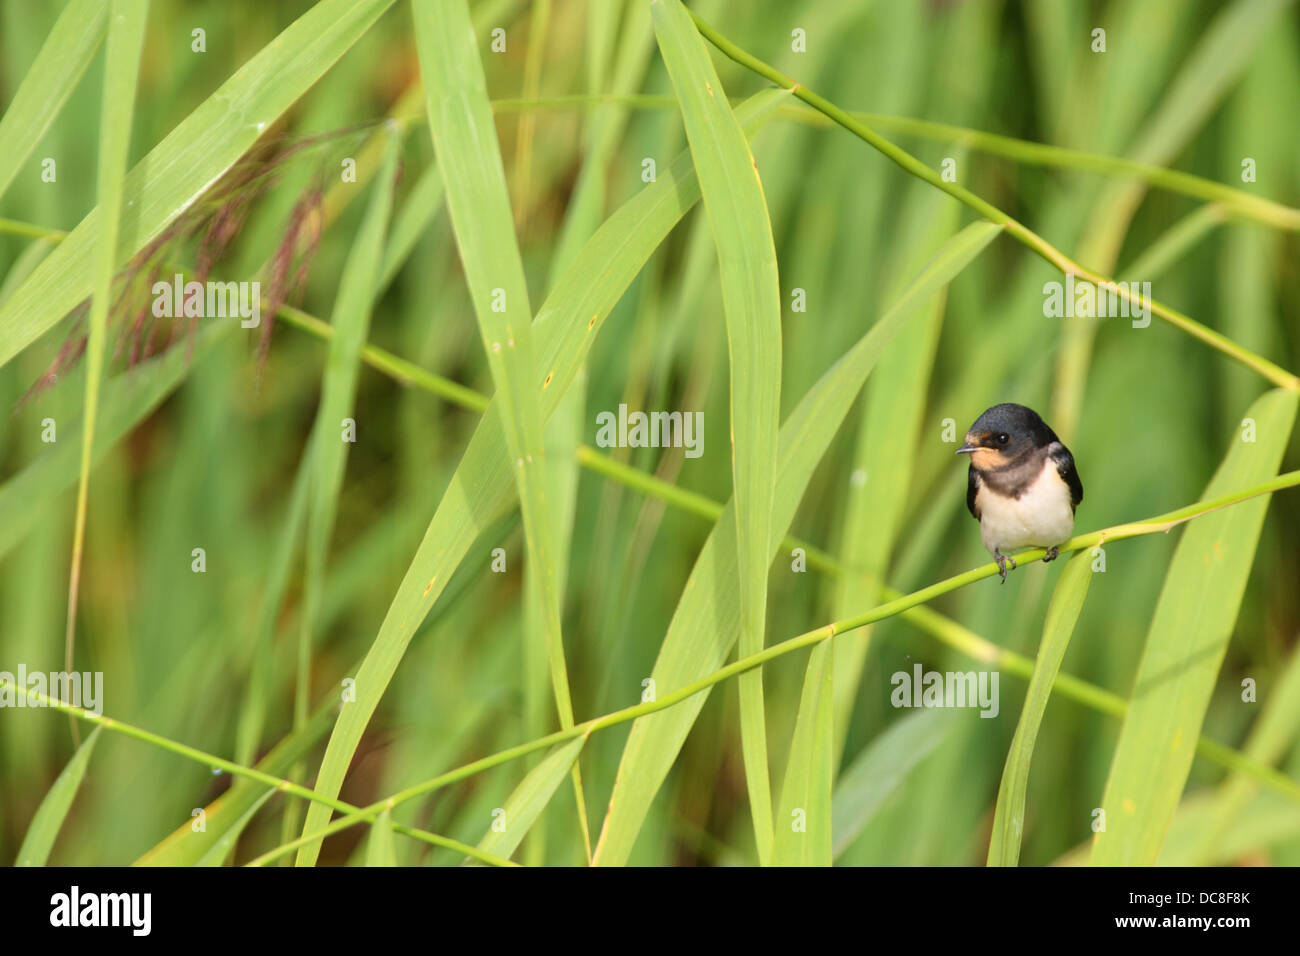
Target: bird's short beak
[{"x": 966, "y": 449}]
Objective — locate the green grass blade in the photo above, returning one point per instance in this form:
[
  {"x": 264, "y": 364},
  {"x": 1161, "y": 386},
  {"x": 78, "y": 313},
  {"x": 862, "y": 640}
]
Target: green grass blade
[
  {"x": 751, "y": 296},
  {"x": 1185, "y": 646},
  {"x": 1062, "y": 614},
  {"x": 563, "y": 431},
  {"x": 121, "y": 69},
  {"x": 464, "y": 135},
  {"x": 189, "y": 160},
  {"x": 63, "y": 58},
  {"x": 803, "y": 825},
  {"x": 707, "y": 618},
  {"x": 380, "y": 851},
  {"x": 880, "y": 769},
  {"x": 45, "y": 826},
  {"x": 529, "y": 799},
  {"x": 481, "y": 489},
  {"x": 328, "y": 447}
]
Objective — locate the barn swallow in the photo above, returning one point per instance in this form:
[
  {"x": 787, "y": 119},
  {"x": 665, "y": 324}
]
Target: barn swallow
[{"x": 1022, "y": 487}]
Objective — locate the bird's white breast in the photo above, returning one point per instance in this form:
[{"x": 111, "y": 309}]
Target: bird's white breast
[{"x": 1040, "y": 517}]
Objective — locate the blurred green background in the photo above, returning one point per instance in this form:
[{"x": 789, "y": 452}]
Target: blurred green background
[{"x": 213, "y": 466}]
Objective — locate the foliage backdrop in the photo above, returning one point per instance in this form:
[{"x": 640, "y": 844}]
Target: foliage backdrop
[{"x": 207, "y": 444}]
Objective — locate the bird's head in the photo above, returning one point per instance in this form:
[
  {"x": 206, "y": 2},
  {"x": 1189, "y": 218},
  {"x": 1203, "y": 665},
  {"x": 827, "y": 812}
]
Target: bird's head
[{"x": 1003, "y": 435}]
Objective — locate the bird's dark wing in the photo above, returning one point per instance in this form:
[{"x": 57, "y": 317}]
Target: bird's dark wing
[
  {"x": 1064, "y": 462},
  {"x": 972, "y": 489}
]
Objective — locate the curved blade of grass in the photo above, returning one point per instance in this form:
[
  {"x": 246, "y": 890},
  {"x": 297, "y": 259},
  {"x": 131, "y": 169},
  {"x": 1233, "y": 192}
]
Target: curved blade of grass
[
  {"x": 1062, "y": 614},
  {"x": 1185, "y": 646},
  {"x": 460, "y": 121},
  {"x": 583, "y": 215},
  {"x": 53, "y": 75},
  {"x": 881, "y": 768},
  {"x": 189, "y": 160},
  {"x": 45, "y": 826},
  {"x": 530, "y": 798},
  {"x": 358, "y": 289},
  {"x": 705, "y": 624},
  {"x": 751, "y": 298},
  {"x": 480, "y": 490},
  {"x": 464, "y": 135},
  {"x": 351, "y": 322},
  {"x": 380, "y": 851},
  {"x": 121, "y": 69}
]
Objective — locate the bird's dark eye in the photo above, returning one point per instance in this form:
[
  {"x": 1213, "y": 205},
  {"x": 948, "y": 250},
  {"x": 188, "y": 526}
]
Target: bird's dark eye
[{"x": 1003, "y": 438}]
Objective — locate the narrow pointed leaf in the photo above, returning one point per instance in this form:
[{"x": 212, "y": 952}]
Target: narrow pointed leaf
[
  {"x": 1185, "y": 645},
  {"x": 121, "y": 70},
  {"x": 530, "y": 798},
  {"x": 880, "y": 769},
  {"x": 327, "y": 447},
  {"x": 1062, "y": 614},
  {"x": 380, "y": 851},
  {"x": 751, "y": 297},
  {"x": 53, "y": 75},
  {"x": 464, "y": 135},
  {"x": 47, "y": 823},
  {"x": 803, "y": 824}
]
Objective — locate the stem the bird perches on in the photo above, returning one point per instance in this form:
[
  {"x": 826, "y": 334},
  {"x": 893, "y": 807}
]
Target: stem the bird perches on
[{"x": 352, "y": 816}]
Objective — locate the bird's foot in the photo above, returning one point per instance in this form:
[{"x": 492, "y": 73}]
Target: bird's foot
[
  {"x": 1051, "y": 554},
  {"x": 1004, "y": 562}
]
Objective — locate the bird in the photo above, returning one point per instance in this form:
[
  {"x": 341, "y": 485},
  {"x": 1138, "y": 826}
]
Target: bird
[{"x": 1022, "y": 487}]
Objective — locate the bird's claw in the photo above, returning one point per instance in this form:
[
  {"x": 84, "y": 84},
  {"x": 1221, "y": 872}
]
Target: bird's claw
[
  {"x": 1051, "y": 554},
  {"x": 1004, "y": 561}
]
